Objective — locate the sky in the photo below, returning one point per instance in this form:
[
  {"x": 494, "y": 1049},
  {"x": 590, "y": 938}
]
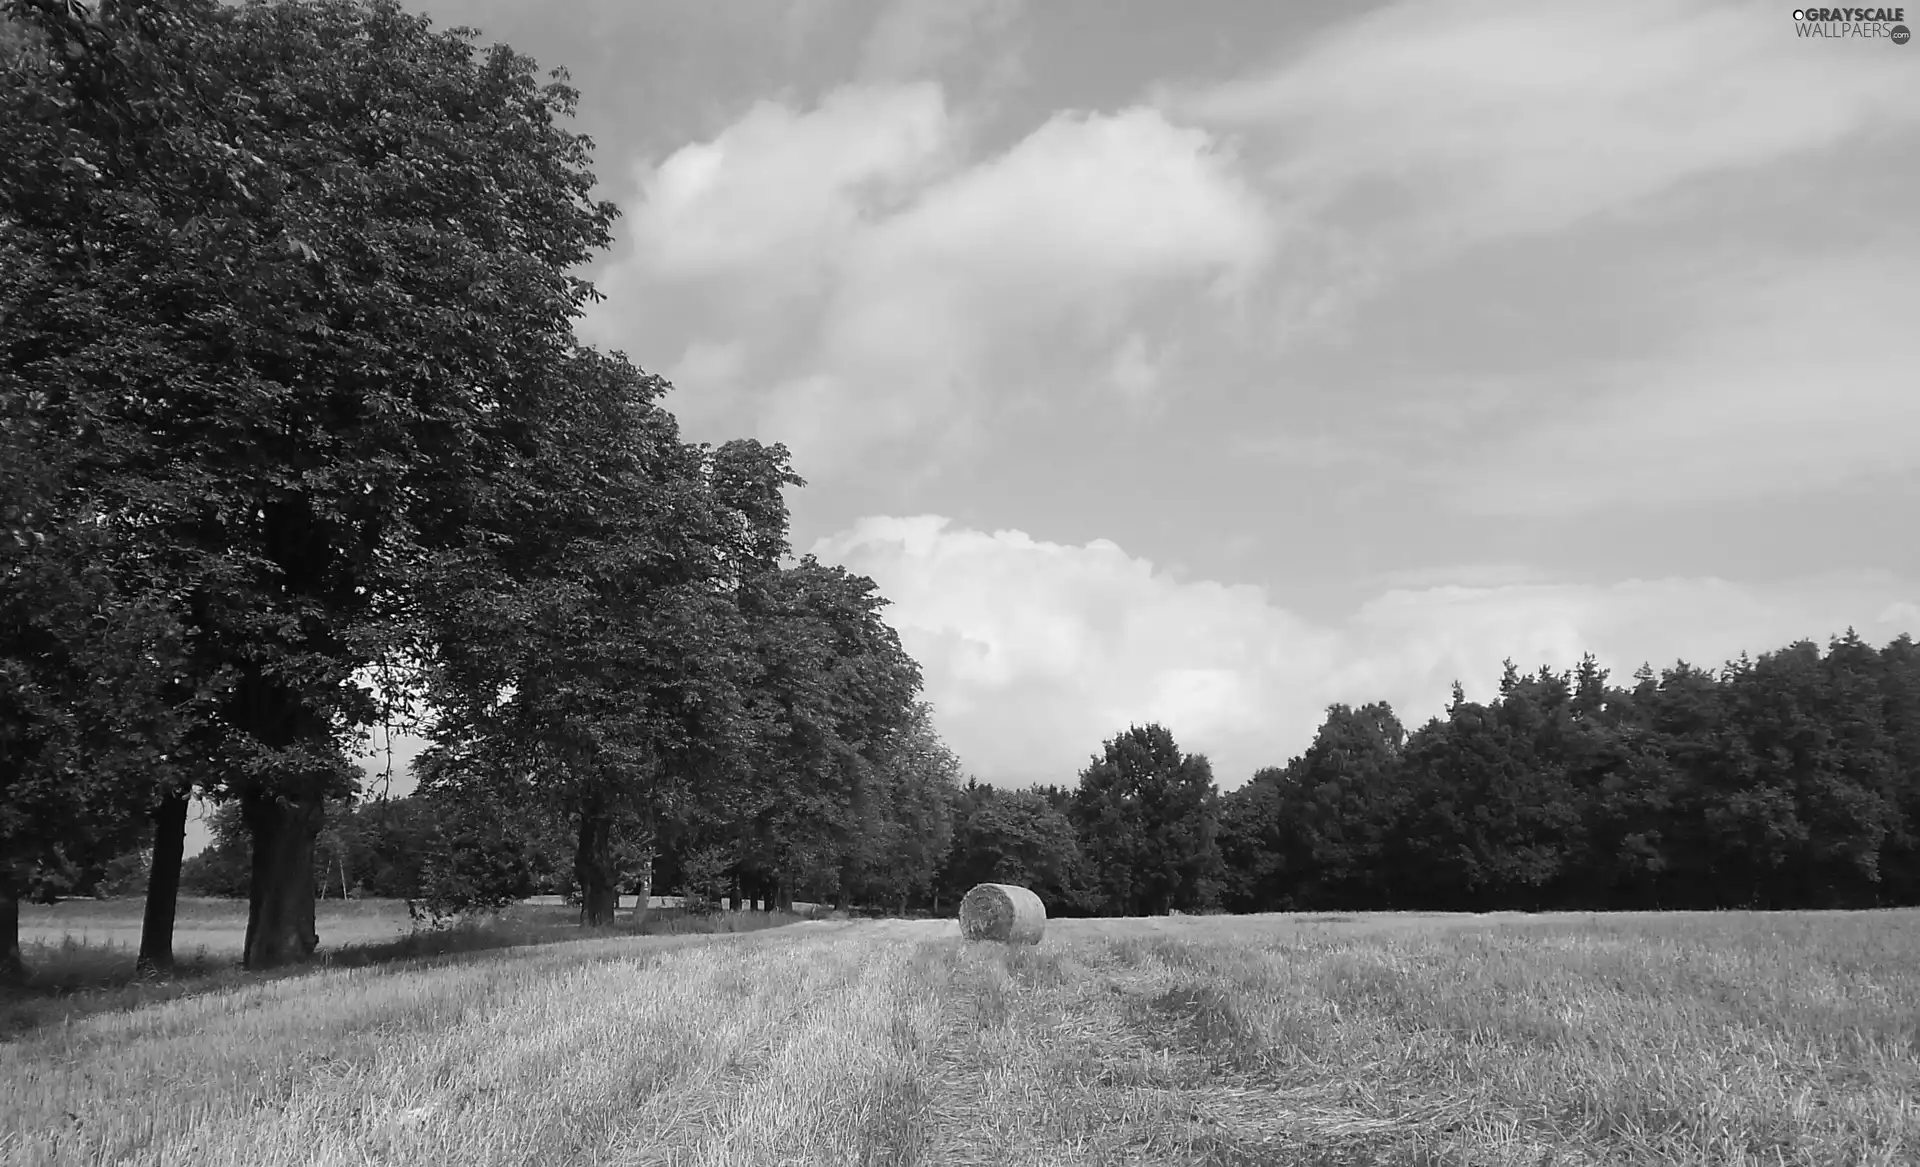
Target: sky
[{"x": 1210, "y": 363}]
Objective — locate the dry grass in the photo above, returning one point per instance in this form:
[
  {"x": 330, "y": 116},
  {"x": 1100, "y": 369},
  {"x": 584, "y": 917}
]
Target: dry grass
[{"x": 1650, "y": 1039}]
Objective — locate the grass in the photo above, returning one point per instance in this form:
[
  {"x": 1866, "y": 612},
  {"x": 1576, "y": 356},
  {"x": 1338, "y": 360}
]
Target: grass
[
  {"x": 80, "y": 954},
  {"x": 1456, "y": 1040}
]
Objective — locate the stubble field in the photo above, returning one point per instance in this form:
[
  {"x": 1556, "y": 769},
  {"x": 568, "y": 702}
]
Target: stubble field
[{"x": 1686, "y": 1039}]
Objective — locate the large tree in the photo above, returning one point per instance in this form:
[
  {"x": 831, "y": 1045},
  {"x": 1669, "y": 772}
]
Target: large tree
[
  {"x": 831, "y": 688},
  {"x": 1491, "y": 817},
  {"x": 300, "y": 274},
  {"x": 1019, "y": 837},
  {"x": 1900, "y": 713},
  {"x": 586, "y": 641},
  {"x": 908, "y": 827},
  {"x": 1148, "y": 816},
  {"x": 85, "y": 723}
]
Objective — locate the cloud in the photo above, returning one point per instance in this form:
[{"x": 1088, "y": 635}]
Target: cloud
[
  {"x": 1036, "y": 652},
  {"x": 1025, "y": 266},
  {"x": 1422, "y": 128},
  {"x": 775, "y": 195},
  {"x": 868, "y": 288},
  {"x": 914, "y": 37},
  {"x": 1789, "y": 381},
  {"x": 1135, "y": 374}
]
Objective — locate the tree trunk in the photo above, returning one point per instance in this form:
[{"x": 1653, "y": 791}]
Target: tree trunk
[
  {"x": 13, "y": 969},
  {"x": 593, "y": 870},
  {"x": 163, "y": 883},
  {"x": 643, "y": 889},
  {"x": 733, "y": 897},
  {"x": 280, "y": 926},
  {"x": 283, "y": 815}
]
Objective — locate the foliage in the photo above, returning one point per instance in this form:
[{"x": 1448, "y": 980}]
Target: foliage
[
  {"x": 830, "y": 708},
  {"x": 298, "y": 272},
  {"x": 704, "y": 879},
  {"x": 591, "y": 645},
  {"x": 1018, "y": 837},
  {"x": 224, "y": 868},
  {"x": 1790, "y": 780},
  {"x": 1147, "y": 818},
  {"x": 87, "y": 716},
  {"x": 917, "y": 779}
]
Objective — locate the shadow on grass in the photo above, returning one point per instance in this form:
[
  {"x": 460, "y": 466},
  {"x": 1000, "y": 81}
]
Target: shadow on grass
[{"x": 73, "y": 978}]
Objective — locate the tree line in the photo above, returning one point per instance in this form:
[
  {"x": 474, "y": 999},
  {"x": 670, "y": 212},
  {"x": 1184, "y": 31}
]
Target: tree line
[
  {"x": 1783, "y": 782},
  {"x": 1787, "y": 781}
]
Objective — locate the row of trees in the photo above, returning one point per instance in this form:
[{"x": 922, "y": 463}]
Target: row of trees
[
  {"x": 1134, "y": 838},
  {"x": 296, "y": 437},
  {"x": 423, "y": 848},
  {"x": 1790, "y": 781}
]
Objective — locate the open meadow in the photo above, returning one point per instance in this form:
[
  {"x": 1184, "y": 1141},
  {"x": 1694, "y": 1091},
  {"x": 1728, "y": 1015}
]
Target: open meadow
[
  {"x": 214, "y": 930},
  {"x": 1394, "y": 1039},
  {"x": 217, "y": 927}
]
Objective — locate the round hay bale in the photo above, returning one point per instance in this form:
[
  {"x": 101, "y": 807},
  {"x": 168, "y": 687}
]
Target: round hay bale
[{"x": 1004, "y": 912}]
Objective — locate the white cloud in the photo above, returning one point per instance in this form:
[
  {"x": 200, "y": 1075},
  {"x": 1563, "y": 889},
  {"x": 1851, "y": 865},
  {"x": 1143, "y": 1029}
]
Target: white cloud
[
  {"x": 1036, "y": 652},
  {"x": 1083, "y": 202},
  {"x": 1423, "y": 127},
  {"x": 894, "y": 291},
  {"x": 1788, "y": 383},
  {"x": 1011, "y": 268},
  {"x": 1066, "y": 231},
  {"x": 776, "y": 194}
]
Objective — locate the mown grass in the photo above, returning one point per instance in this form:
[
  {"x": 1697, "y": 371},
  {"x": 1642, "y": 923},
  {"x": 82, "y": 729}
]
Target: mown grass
[{"x": 1726, "y": 1038}]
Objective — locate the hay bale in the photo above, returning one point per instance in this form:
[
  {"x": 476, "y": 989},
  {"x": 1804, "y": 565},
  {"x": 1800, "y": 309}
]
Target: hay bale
[{"x": 1004, "y": 912}]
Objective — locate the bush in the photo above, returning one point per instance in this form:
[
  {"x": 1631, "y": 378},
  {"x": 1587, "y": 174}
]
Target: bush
[
  {"x": 703, "y": 875},
  {"x": 474, "y": 865}
]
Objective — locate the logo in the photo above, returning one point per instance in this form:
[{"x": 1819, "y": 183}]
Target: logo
[{"x": 1852, "y": 22}]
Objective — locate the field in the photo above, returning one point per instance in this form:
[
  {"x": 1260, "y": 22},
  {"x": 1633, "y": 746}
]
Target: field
[
  {"x": 217, "y": 926},
  {"x": 214, "y": 930},
  {"x": 1688, "y": 1039}
]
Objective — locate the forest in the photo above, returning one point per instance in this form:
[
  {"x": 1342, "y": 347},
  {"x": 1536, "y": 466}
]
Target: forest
[{"x": 297, "y": 439}]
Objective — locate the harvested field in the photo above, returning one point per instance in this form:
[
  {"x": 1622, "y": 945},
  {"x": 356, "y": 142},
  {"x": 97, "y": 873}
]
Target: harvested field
[{"x": 1722, "y": 1038}]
